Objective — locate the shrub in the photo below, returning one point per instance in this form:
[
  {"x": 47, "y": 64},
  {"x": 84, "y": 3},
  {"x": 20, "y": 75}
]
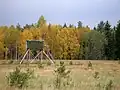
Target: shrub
[
  {"x": 70, "y": 63},
  {"x": 57, "y": 82},
  {"x": 62, "y": 76},
  {"x": 98, "y": 85},
  {"x": 109, "y": 85},
  {"x": 89, "y": 64},
  {"x": 96, "y": 75},
  {"x": 18, "y": 78},
  {"x": 41, "y": 86}
]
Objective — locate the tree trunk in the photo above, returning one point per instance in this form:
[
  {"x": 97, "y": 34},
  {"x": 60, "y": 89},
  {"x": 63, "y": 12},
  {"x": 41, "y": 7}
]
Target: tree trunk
[
  {"x": 6, "y": 55},
  {"x": 16, "y": 52}
]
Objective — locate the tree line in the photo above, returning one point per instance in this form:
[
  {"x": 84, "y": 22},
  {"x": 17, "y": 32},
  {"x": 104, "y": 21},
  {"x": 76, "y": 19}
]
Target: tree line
[{"x": 66, "y": 42}]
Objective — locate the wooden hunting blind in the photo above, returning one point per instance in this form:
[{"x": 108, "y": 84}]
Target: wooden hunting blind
[{"x": 35, "y": 45}]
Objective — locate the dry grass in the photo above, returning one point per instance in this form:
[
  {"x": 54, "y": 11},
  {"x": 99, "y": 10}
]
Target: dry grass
[{"x": 82, "y": 76}]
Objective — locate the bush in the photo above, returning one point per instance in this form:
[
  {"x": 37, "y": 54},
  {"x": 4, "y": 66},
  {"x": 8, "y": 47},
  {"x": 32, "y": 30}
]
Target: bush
[
  {"x": 89, "y": 64},
  {"x": 70, "y": 63},
  {"x": 62, "y": 76},
  {"x": 109, "y": 85},
  {"x": 41, "y": 86},
  {"x": 96, "y": 75},
  {"x": 18, "y": 78}
]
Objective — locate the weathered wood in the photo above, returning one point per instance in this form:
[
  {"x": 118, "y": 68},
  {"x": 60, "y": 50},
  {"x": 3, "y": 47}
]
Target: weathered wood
[
  {"x": 48, "y": 57},
  {"x": 36, "y": 56},
  {"x": 24, "y": 56}
]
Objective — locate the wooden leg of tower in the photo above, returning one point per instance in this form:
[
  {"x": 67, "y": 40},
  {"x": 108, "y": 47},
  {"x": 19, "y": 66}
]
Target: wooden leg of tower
[
  {"x": 24, "y": 56},
  {"x": 48, "y": 57},
  {"x": 41, "y": 56},
  {"x": 29, "y": 54},
  {"x": 51, "y": 55},
  {"x": 35, "y": 57}
]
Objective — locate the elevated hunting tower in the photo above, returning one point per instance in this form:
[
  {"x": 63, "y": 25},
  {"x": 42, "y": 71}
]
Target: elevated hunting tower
[{"x": 38, "y": 46}]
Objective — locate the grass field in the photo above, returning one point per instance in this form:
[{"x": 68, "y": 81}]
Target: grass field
[{"x": 82, "y": 77}]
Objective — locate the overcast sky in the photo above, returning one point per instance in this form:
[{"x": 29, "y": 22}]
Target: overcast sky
[{"x": 90, "y": 12}]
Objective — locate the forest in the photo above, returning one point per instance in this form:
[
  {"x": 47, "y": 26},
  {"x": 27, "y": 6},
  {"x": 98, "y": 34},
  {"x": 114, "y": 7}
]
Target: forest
[{"x": 66, "y": 42}]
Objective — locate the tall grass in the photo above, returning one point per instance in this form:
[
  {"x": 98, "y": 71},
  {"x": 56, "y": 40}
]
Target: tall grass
[{"x": 104, "y": 76}]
